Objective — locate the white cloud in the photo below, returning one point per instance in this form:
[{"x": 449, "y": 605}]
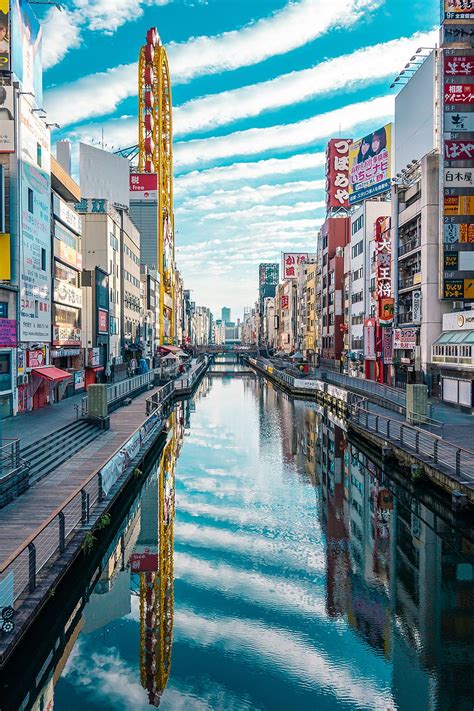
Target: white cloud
[
  {"x": 346, "y": 72},
  {"x": 60, "y": 34},
  {"x": 292, "y": 655},
  {"x": 293, "y": 26},
  {"x": 245, "y": 172},
  {"x": 301, "y": 133},
  {"x": 247, "y": 195},
  {"x": 266, "y": 210}
]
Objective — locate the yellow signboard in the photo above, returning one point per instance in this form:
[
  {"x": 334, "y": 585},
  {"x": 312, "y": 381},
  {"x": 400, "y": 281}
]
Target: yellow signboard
[
  {"x": 469, "y": 288},
  {"x": 5, "y": 259}
]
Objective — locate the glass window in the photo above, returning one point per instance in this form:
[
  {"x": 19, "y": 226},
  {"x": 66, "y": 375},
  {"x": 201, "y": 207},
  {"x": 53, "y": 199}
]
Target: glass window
[
  {"x": 5, "y": 406},
  {"x": 3, "y": 309},
  {"x": 30, "y": 200},
  {"x": 38, "y": 154},
  {"x": 5, "y": 371},
  {"x": 43, "y": 259}
]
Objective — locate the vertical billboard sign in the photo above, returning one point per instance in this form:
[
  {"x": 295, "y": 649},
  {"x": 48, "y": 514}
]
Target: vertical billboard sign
[
  {"x": 457, "y": 161},
  {"x": 383, "y": 271},
  {"x": 5, "y": 35},
  {"x": 26, "y": 48},
  {"x": 7, "y": 122},
  {"x": 337, "y": 173},
  {"x": 370, "y": 165},
  {"x": 144, "y": 186},
  {"x": 35, "y": 230},
  {"x": 369, "y": 339}
]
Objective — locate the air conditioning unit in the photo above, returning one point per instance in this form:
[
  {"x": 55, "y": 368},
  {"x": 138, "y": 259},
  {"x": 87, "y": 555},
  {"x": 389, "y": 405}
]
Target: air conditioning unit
[{"x": 22, "y": 379}]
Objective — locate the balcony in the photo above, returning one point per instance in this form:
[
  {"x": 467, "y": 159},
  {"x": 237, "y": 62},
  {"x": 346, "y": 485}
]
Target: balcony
[{"x": 409, "y": 246}]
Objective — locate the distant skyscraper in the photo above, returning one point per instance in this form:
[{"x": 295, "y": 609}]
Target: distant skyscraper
[
  {"x": 268, "y": 275},
  {"x": 225, "y": 314}
]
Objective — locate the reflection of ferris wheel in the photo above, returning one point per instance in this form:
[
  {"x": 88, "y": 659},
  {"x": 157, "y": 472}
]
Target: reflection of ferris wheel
[
  {"x": 156, "y": 589},
  {"x": 155, "y": 155}
]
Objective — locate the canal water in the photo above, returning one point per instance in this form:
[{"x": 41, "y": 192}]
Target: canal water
[{"x": 269, "y": 563}]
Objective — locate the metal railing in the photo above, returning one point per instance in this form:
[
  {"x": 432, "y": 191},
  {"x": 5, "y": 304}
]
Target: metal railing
[
  {"x": 117, "y": 391},
  {"x": 9, "y": 456},
  {"x": 174, "y": 387},
  {"x": 368, "y": 387},
  {"x": 455, "y": 459}
]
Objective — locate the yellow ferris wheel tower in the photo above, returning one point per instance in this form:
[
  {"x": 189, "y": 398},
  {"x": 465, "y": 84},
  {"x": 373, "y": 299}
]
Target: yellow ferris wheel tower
[{"x": 155, "y": 158}]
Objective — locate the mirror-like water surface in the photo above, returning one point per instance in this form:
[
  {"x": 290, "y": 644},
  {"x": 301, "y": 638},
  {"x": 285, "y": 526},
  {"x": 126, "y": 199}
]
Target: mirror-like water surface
[{"x": 288, "y": 572}]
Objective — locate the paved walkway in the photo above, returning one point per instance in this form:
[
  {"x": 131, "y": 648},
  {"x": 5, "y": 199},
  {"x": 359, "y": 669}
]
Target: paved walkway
[{"x": 34, "y": 425}]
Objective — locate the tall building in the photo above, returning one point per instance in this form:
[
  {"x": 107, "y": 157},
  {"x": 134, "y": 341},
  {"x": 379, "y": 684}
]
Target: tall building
[
  {"x": 268, "y": 276},
  {"x": 225, "y": 314}
]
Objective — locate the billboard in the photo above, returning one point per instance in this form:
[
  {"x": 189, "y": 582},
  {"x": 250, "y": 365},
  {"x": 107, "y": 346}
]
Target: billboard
[
  {"x": 404, "y": 338},
  {"x": 5, "y": 35},
  {"x": 458, "y": 10},
  {"x": 35, "y": 229},
  {"x": 458, "y": 149},
  {"x": 26, "y": 48},
  {"x": 144, "y": 186},
  {"x": 370, "y": 169},
  {"x": 7, "y": 122},
  {"x": 369, "y": 339},
  {"x": 291, "y": 262},
  {"x": 337, "y": 173},
  {"x": 103, "y": 176}
]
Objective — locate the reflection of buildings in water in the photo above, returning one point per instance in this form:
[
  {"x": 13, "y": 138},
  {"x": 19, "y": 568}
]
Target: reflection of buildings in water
[
  {"x": 410, "y": 590},
  {"x": 156, "y": 586},
  {"x": 330, "y": 461}
]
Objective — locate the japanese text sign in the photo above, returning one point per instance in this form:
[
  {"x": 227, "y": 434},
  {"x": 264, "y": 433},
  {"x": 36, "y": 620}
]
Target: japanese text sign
[
  {"x": 291, "y": 262},
  {"x": 458, "y": 93},
  {"x": 383, "y": 270},
  {"x": 337, "y": 173},
  {"x": 370, "y": 168}
]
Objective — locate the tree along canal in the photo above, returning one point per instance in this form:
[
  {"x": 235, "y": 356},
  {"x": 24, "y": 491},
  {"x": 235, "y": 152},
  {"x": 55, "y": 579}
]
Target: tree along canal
[{"x": 262, "y": 561}]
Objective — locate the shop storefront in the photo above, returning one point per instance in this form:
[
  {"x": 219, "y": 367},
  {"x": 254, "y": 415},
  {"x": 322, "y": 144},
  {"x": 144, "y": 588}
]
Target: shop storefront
[{"x": 452, "y": 360}]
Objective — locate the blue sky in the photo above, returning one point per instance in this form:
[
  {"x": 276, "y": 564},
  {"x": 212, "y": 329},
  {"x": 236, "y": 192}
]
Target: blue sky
[{"x": 258, "y": 89}]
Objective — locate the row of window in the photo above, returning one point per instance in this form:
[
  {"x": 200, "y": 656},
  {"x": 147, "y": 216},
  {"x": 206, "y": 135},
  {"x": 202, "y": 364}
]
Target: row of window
[
  {"x": 114, "y": 243},
  {"x": 129, "y": 277},
  {"x": 357, "y": 274},
  {"x": 132, "y": 302},
  {"x": 454, "y": 351},
  {"x": 357, "y": 224},
  {"x": 131, "y": 254},
  {"x": 357, "y": 248},
  {"x": 357, "y": 297}
]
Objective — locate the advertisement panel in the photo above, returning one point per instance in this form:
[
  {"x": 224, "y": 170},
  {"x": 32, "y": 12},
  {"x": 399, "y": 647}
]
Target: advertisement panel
[
  {"x": 369, "y": 339},
  {"x": 7, "y": 332},
  {"x": 93, "y": 357},
  {"x": 458, "y": 65},
  {"x": 454, "y": 233},
  {"x": 458, "y": 205},
  {"x": 383, "y": 271},
  {"x": 79, "y": 380},
  {"x": 5, "y": 256},
  {"x": 416, "y": 306},
  {"x": 5, "y": 36},
  {"x": 387, "y": 346},
  {"x": 458, "y": 94},
  {"x": 144, "y": 562},
  {"x": 35, "y": 230},
  {"x": 26, "y": 48},
  {"x": 65, "y": 293},
  {"x": 458, "y": 10},
  {"x": 143, "y": 186},
  {"x": 370, "y": 169},
  {"x": 35, "y": 359},
  {"x": 65, "y": 247},
  {"x": 458, "y": 149},
  {"x": 7, "y": 118},
  {"x": 67, "y": 215},
  {"x": 458, "y": 122},
  {"x": 64, "y": 335},
  {"x": 404, "y": 338},
  {"x": 460, "y": 178},
  {"x": 290, "y": 263},
  {"x": 337, "y": 173},
  {"x": 102, "y": 321}
]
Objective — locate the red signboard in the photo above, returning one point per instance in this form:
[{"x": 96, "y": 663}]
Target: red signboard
[
  {"x": 144, "y": 562},
  {"x": 458, "y": 66},
  {"x": 102, "y": 321},
  {"x": 7, "y": 332},
  {"x": 34, "y": 359},
  {"x": 459, "y": 93},
  {"x": 144, "y": 186},
  {"x": 383, "y": 271},
  {"x": 459, "y": 150},
  {"x": 284, "y": 302},
  {"x": 337, "y": 173}
]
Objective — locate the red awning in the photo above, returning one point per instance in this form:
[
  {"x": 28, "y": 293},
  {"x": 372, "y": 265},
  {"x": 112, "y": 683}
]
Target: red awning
[
  {"x": 95, "y": 368},
  {"x": 49, "y": 372}
]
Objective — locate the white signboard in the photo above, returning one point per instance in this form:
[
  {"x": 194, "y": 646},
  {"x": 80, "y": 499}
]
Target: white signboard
[
  {"x": 7, "y": 123},
  {"x": 416, "y": 306},
  {"x": 65, "y": 293},
  {"x": 67, "y": 215},
  {"x": 404, "y": 338},
  {"x": 35, "y": 230},
  {"x": 459, "y": 177},
  {"x": 458, "y": 122}
]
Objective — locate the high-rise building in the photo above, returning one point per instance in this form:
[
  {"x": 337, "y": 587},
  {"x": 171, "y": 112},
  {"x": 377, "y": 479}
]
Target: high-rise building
[
  {"x": 225, "y": 314},
  {"x": 268, "y": 276}
]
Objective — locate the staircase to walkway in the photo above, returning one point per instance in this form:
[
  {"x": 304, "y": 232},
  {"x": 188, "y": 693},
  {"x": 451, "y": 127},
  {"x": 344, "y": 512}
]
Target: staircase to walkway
[{"x": 48, "y": 453}]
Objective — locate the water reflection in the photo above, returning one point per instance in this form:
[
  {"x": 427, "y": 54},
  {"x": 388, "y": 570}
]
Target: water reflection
[{"x": 274, "y": 565}]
